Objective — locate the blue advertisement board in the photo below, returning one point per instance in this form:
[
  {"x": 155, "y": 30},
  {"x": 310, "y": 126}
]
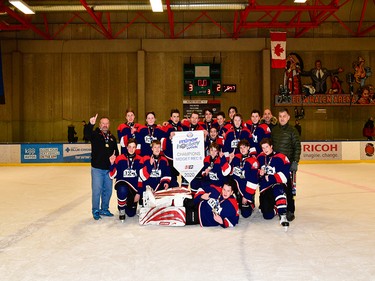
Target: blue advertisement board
[{"x": 41, "y": 153}]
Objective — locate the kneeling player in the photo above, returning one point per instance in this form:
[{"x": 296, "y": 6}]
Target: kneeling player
[
  {"x": 245, "y": 173},
  {"x": 274, "y": 171},
  {"x": 125, "y": 170},
  {"x": 222, "y": 210}
]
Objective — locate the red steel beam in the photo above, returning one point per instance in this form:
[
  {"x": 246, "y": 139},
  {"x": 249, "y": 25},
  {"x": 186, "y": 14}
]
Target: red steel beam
[
  {"x": 96, "y": 19},
  {"x": 170, "y": 19},
  {"x": 26, "y": 24}
]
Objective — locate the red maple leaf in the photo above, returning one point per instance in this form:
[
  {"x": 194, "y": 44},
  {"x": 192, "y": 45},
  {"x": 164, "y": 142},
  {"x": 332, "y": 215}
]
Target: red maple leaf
[{"x": 278, "y": 50}]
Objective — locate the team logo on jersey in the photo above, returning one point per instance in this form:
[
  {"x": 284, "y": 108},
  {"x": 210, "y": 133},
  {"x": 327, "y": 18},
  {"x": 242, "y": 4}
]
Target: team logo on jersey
[
  {"x": 369, "y": 149},
  {"x": 155, "y": 173}
]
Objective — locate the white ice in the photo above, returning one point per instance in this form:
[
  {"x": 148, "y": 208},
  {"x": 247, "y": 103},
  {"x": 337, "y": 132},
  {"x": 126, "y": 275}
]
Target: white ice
[{"x": 47, "y": 233}]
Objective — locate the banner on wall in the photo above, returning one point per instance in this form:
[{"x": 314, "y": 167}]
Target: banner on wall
[
  {"x": 41, "y": 153},
  {"x": 316, "y": 100},
  {"x": 321, "y": 151}
]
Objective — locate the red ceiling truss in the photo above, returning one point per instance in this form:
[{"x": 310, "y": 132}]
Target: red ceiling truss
[{"x": 296, "y": 19}]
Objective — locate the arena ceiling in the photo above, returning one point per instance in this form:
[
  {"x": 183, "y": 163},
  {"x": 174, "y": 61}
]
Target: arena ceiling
[{"x": 232, "y": 18}]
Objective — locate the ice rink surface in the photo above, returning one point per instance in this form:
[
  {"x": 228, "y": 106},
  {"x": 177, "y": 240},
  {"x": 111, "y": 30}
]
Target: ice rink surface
[{"x": 47, "y": 233}]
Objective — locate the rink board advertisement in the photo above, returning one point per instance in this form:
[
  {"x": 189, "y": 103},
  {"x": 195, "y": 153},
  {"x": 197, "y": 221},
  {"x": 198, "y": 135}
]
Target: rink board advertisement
[
  {"x": 77, "y": 152},
  {"x": 367, "y": 150},
  {"x": 188, "y": 153},
  {"x": 321, "y": 151},
  {"x": 41, "y": 153}
]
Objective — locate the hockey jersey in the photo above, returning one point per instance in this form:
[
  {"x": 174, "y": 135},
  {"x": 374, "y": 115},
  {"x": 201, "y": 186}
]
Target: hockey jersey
[
  {"x": 245, "y": 174},
  {"x": 145, "y": 135},
  {"x": 124, "y": 133},
  {"x": 258, "y": 132},
  {"x": 166, "y": 142},
  {"x": 277, "y": 168},
  {"x": 156, "y": 174},
  {"x": 227, "y": 209},
  {"x": 233, "y": 137},
  {"x": 126, "y": 169}
]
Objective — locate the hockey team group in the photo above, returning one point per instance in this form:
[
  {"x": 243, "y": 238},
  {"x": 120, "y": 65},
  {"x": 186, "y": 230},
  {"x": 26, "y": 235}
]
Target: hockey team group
[{"x": 241, "y": 158}]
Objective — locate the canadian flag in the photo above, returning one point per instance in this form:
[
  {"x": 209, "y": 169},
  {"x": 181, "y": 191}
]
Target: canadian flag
[{"x": 278, "y": 49}]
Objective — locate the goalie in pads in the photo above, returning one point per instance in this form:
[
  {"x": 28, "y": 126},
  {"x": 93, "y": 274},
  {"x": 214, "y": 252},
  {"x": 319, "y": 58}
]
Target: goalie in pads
[
  {"x": 164, "y": 207},
  {"x": 167, "y": 210}
]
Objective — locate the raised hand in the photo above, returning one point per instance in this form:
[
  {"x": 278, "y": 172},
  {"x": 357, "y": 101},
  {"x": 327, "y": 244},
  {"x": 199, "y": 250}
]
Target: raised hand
[{"x": 93, "y": 119}]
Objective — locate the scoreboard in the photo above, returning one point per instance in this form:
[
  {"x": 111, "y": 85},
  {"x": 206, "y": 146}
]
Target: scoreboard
[{"x": 202, "y": 79}]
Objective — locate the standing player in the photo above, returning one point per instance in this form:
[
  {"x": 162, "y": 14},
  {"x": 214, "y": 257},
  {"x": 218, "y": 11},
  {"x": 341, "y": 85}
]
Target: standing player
[
  {"x": 274, "y": 174},
  {"x": 222, "y": 126},
  {"x": 146, "y": 134},
  {"x": 170, "y": 128},
  {"x": 125, "y": 171},
  {"x": 126, "y": 130},
  {"x": 258, "y": 131},
  {"x": 234, "y": 135},
  {"x": 232, "y": 110},
  {"x": 208, "y": 121},
  {"x": 245, "y": 174}
]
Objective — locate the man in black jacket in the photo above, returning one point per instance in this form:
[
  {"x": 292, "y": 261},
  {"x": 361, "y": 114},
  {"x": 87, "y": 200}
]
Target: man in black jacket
[
  {"x": 103, "y": 146},
  {"x": 286, "y": 140}
]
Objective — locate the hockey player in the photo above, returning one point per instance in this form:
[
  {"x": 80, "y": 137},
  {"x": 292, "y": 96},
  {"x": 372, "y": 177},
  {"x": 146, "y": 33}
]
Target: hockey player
[
  {"x": 155, "y": 171},
  {"x": 215, "y": 167},
  {"x": 258, "y": 131},
  {"x": 212, "y": 137},
  {"x": 170, "y": 128},
  {"x": 245, "y": 174},
  {"x": 234, "y": 135},
  {"x": 125, "y": 171},
  {"x": 146, "y": 134},
  {"x": 126, "y": 130},
  {"x": 208, "y": 121},
  {"x": 274, "y": 173},
  {"x": 232, "y": 110},
  {"x": 222, "y": 126},
  {"x": 215, "y": 211}
]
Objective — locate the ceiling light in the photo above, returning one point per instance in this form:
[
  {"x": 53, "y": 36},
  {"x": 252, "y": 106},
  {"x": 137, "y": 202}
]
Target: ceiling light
[
  {"x": 300, "y": 1},
  {"x": 22, "y": 6},
  {"x": 156, "y": 5}
]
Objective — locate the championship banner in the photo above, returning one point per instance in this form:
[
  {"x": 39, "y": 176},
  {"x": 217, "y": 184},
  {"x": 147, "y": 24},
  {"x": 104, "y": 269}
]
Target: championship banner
[
  {"x": 278, "y": 49},
  {"x": 188, "y": 153}
]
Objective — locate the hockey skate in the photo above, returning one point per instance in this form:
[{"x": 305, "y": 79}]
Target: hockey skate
[
  {"x": 284, "y": 222},
  {"x": 122, "y": 215}
]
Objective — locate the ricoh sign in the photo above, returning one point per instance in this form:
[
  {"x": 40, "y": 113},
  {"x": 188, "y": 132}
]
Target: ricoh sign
[{"x": 321, "y": 151}]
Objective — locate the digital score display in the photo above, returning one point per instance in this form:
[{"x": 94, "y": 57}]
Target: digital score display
[{"x": 202, "y": 80}]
